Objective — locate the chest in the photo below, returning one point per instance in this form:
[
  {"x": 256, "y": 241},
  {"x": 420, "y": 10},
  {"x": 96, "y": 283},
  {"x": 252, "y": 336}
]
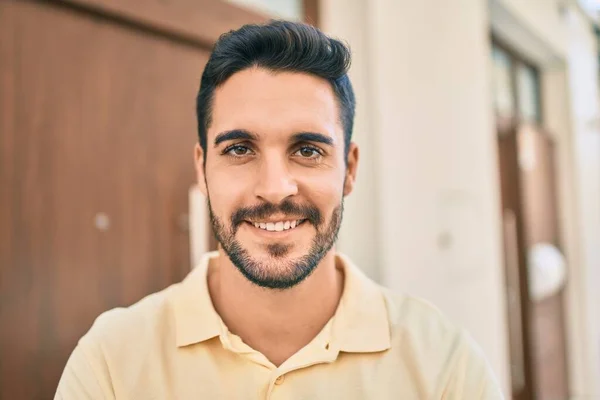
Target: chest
[{"x": 234, "y": 376}]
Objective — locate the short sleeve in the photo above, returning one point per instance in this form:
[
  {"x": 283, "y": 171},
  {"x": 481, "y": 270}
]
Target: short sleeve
[
  {"x": 471, "y": 376},
  {"x": 85, "y": 376}
]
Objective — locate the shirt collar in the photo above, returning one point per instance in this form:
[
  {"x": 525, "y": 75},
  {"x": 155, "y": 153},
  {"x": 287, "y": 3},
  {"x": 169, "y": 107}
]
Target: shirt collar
[
  {"x": 195, "y": 317},
  {"x": 360, "y": 324}
]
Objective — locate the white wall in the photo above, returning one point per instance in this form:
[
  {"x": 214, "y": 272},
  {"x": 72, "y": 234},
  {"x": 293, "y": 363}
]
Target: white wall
[
  {"x": 543, "y": 17},
  {"x": 429, "y": 160},
  {"x": 557, "y": 119},
  {"x": 426, "y": 209},
  {"x": 359, "y": 235},
  {"x": 583, "y": 77},
  {"x": 559, "y": 40}
]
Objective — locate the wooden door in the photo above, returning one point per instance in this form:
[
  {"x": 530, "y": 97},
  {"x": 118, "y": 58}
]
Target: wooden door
[
  {"x": 541, "y": 218},
  {"x": 515, "y": 258},
  {"x": 530, "y": 213},
  {"x": 97, "y": 129}
]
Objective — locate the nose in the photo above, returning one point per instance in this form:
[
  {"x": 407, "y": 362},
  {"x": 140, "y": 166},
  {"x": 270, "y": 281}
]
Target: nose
[{"x": 274, "y": 181}]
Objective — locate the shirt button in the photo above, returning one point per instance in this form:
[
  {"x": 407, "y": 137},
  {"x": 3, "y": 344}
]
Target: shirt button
[{"x": 279, "y": 379}]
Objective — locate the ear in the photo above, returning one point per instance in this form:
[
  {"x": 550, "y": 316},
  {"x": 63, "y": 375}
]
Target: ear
[
  {"x": 351, "y": 168},
  {"x": 199, "y": 161}
]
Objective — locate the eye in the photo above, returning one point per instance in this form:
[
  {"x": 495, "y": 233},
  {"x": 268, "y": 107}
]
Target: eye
[
  {"x": 308, "y": 152},
  {"x": 237, "y": 150}
]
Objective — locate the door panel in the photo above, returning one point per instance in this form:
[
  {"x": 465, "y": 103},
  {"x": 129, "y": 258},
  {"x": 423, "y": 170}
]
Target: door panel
[
  {"x": 541, "y": 218},
  {"x": 97, "y": 133},
  {"x": 537, "y": 329},
  {"x": 519, "y": 311}
]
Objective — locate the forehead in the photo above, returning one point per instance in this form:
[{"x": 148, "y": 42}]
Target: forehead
[{"x": 275, "y": 103}]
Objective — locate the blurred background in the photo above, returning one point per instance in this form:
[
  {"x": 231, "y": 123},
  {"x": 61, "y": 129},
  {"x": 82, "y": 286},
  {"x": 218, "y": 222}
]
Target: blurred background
[{"x": 478, "y": 189}]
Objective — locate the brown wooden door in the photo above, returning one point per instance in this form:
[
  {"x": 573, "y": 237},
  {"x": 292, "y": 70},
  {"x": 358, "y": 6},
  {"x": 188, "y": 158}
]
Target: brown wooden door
[
  {"x": 536, "y": 329},
  {"x": 97, "y": 129},
  {"x": 515, "y": 258},
  {"x": 541, "y": 218}
]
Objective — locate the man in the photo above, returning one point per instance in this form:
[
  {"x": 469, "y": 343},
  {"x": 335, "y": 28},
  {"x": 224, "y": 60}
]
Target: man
[{"x": 276, "y": 313}]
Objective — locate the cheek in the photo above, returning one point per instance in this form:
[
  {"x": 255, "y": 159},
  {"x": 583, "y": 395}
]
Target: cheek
[
  {"x": 228, "y": 190},
  {"x": 324, "y": 191}
]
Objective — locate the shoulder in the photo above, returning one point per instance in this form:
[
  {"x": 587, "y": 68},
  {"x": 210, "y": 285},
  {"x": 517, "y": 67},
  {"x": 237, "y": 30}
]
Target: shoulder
[
  {"x": 130, "y": 330},
  {"x": 442, "y": 353},
  {"x": 421, "y": 334},
  {"x": 418, "y": 319},
  {"x": 117, "y": 346}
]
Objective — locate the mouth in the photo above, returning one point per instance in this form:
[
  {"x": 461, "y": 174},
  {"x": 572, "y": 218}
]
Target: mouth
[{"x": 277, "y": 226}]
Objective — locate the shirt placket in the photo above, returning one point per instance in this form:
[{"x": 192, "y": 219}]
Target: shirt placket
[{"x": 309, "y": 357}]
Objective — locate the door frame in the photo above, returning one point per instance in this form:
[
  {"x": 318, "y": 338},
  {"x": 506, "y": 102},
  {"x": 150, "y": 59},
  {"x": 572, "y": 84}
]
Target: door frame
[{"x": 197, "y": 25}]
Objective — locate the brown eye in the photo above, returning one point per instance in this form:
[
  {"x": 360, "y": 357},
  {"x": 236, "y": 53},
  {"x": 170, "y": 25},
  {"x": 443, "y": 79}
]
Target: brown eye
[
  {"x": 308, "y": 152},
  {"x": 238, "y": 151}
]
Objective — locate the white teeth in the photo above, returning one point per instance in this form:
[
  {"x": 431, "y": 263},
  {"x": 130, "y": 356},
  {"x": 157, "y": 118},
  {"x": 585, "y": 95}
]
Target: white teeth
[{"x": 277, "y": 226}]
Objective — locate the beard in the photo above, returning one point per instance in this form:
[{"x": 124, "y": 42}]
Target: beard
[{"x": 277, "y": 272}]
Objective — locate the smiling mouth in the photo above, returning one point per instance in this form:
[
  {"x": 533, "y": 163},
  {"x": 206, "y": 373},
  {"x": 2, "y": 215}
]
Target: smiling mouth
[{"x": 278, "y": 226}]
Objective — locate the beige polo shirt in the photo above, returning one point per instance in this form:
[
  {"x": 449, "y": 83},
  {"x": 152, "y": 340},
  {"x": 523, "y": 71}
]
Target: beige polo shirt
[{"x": 378, "y": 345}]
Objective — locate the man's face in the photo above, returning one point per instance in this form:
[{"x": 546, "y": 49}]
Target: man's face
[{"x": 275, "y": 173}]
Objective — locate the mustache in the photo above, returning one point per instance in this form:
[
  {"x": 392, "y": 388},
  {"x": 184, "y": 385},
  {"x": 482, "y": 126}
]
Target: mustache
[{"x": 286, "y": 207}]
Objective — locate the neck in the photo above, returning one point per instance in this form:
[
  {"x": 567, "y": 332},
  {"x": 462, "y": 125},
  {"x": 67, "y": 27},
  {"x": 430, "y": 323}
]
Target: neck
[{"x": 277, "y": 323}]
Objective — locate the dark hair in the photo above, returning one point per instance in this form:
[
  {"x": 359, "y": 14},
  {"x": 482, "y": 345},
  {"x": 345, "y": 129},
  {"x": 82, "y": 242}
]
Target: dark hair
[{"x": 278, "y": 46}]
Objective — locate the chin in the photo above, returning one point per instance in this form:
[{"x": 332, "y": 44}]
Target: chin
[
  {"x": 275, "y": 272},
  {"x": 276, "y": 257}
]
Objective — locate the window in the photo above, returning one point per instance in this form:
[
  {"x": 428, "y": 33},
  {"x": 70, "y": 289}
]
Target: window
[
  {"x": 284, "y": 9},
  {"x": 516, "y": 86},
  {"x": 528, "y": 92},
  {"x": 503, "y": 87}
]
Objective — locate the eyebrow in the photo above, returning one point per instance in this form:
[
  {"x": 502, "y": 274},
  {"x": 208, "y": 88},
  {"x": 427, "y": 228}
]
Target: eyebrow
[
  {"x": 312, "y": 137},
  {"x": 235, "y": 134}
]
